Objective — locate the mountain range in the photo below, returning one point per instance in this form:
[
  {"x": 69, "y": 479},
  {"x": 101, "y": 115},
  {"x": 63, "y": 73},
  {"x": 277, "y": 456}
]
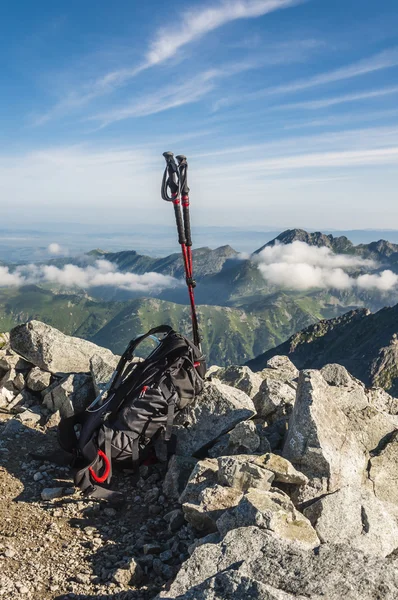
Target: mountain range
[{"x": 241, "y": 314}]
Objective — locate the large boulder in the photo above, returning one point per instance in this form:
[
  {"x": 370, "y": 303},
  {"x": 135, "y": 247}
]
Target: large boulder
[
  {"x": 38, "y": 380},
  {"x": 355, "y": 517},
  {"x": 203, "y": 475},
  {"x": 177, "y": 476},
  {"x": 102, "y": 369},
  {"x": 280, "y": 367},
  {"x": 332, "y": 430},
  {"x": 215, "y": 411},
  {"x": 271, "y": 510},
  {"x": 241, "y": 378},
  {"x": 244, "y": 438},
  {"x": 249, "y": 555},
  {"x": 275, "y": 399},
  {"x": 277, "y": 392},
  {"x": 53, "y": 351},
  {"x": 211, "y": 503},
  {"x": 72, "y": 395},
  {"x": 242, "y": 473}
]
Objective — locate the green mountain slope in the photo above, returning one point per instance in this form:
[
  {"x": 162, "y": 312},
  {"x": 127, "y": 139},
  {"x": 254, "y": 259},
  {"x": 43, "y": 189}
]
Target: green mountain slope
[
  {"x": 365, "y": 343},
  {"x": 230, "y": 334}
]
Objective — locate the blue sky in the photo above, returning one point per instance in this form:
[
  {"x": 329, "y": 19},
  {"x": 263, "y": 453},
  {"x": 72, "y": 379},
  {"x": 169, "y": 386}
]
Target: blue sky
[{"x": 287, "y": 110}]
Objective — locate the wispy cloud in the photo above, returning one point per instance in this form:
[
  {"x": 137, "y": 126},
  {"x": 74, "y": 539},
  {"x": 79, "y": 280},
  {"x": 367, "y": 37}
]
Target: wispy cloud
[
  {"x": 172, "y": 96},
  {"x": 378, "y": 62},
  {"x": 343, "y": 119},
  {"x": 196, "y": 23},
  {"x": 326, "y": 102},
  {"x": 193, "y": 25}
]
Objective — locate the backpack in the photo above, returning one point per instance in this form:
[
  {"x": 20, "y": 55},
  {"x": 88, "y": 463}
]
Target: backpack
[{"x": 121, "y": 425}]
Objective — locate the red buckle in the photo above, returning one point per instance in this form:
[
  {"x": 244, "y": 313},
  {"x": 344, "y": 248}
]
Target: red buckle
[{"x": 104, "y": 477}]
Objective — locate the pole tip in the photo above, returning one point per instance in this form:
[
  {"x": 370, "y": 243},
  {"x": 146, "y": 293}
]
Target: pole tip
[
  {"x": 181, "y": 158},
  {"x": 168, "y": 155}
]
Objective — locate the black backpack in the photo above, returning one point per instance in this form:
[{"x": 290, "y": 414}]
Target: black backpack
[{"x": 138, "y": 408}]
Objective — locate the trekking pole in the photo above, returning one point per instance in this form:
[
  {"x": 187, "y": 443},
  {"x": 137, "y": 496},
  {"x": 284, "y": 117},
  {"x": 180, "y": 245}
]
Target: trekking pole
[
  {"x": 172, "y": 181},
  {"x": 183, "y": 174}
]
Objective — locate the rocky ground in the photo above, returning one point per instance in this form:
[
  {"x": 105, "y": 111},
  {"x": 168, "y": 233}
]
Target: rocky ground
[{"x": 284, "y": 485}]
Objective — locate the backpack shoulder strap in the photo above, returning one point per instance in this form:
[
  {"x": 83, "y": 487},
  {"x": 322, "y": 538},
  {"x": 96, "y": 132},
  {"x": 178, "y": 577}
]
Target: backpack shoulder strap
[{"x": 135, "y": 343}]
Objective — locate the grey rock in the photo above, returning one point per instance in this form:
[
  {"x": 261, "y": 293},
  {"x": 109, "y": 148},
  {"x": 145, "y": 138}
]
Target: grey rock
[
  {"x": 331, "y": 432},
  {"x": 355, "y": 517},
  {"x": 53, "y": 420},
  {"x": 33, "y": 415},
  {"x": 24, "y": 398},
  {"x": 19, "y": 382},
  {"x": 175, "y": 519},
  {"x": 280, "y": 571},
  {"x": 275, "y": 398},
  {"x": 337, "y": 375},
  {"x": 178, "y": 473},
  {"x": 11, "y": 360},
  {"x": 132, "y": 574},
  {"x": 6, "y": 397},
  {"x": 214, "y": 412},
  {"x": 7, "y": 381},
  {"x": 241, "y": 378},
  {"x": 102, "y": 369},
  {"x": 383, "y": 471},
  {"x": 203, "y": 475},
  {"x": 210, "y": 538},
  {"x": 212, "y": 502},
  {"x": 52, "y": 493},
  {"x": 241, "y": 473},
  {"x": 38, "y": 380},
  {"x": 282, "y": 469},
  {"x": 237, "y": 584},
  {"x": 52, "y": 351},
  {"x": 381, "y": 401},
  {"x": 280, "y": 367},
  {"x": 273, "y": 511},
  {"x": 242, "y": 439},
  {"x": 73, "y": 394}
]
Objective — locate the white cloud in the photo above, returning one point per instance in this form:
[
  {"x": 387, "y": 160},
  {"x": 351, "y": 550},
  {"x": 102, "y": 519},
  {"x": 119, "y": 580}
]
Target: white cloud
[
  {"x": 299, "y": 266},
  {"x": 196, "y": 23},
  {"x": 54, "y": 248},
  {"x": 102, "y": 273},
  {"x": 378, "y": 62},
  {"x": 326, "y": 102}
]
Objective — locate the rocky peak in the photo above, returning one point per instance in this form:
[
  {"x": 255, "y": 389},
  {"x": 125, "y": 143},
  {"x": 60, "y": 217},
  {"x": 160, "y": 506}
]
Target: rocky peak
[
  {"x": 337, "y": 244},
  {"x": 250, "y": 505}
]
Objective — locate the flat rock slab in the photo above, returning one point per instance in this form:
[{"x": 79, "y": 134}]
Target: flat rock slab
[
  {"x": 214, "y": 412},
  {"x": 271, "y": 510},
  {"x": 253, "y": 555},
  {"x": 52, "y": 351},
  {"x": 355, "y": 517}
]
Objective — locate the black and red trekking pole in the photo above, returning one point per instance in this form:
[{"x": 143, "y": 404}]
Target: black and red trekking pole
[{"x": 175, "y": 180}]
